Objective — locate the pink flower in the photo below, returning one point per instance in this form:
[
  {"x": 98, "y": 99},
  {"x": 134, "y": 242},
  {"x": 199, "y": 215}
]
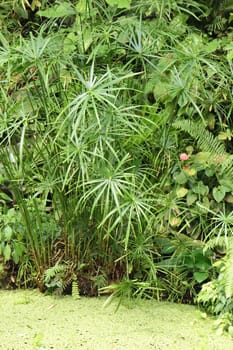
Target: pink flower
[{"x": 184, "y": 156}]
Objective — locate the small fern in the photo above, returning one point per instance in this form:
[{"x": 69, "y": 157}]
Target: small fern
[
  {"x": 75, "y": 288},
  {"x": 227, "y": 167},
  {"x": 54, "y": 278},
  {"x": 52, "y": 272},
  {"x": 205, "y": 139},
  {"x": 218, "y": 14}
]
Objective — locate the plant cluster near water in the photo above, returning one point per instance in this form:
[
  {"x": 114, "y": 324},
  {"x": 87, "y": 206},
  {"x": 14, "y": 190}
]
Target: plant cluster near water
[{"x": 116, "y": 149}]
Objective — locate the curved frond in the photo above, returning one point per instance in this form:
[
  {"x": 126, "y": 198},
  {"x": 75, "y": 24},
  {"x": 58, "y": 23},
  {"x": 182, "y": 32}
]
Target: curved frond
[{"x": 204, "y": 138}]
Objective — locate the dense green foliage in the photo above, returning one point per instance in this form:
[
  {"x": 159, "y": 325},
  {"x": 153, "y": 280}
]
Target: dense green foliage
[{"x": 116, "y": 154}]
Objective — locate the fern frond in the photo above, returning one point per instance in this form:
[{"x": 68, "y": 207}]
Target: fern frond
[
  {"x": 208, "y": 143},
  {"x": 204, "y": 138},
  {"x": 55, "y": 278},
  {"x": 53, "y": 272},
  {"x": 227, "y": 167}
]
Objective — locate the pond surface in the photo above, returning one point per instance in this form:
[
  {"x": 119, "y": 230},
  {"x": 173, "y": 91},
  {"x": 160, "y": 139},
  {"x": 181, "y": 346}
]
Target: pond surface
[{"x": 30, "y": 320}]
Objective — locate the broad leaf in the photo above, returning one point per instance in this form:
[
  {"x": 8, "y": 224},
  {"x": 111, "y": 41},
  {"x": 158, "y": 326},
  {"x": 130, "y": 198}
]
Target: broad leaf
[
  {"x": 181, "y": 192},
  {"x": 200, "y": 276},
  {"x": 189, "y": 171},
  {"x": 8, "y": 233},
  {"x": 181, "y": 178},
  {"x": 202, "y": 262},
  {"x": 7, "y": 252},
  {"x": 226, "y": 184},
  {"x": 191, "y": 198},
  {"x": 218, "y": 193},
  {"x": 62, "y": 10},
  {"x": 200, "y": 188}
]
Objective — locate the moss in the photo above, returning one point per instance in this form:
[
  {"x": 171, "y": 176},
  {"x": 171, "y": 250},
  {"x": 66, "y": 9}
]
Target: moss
[{"x": 35, "y": 321}]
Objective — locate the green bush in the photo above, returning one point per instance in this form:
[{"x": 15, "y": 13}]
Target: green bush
[{"x": 115, "y": 140}]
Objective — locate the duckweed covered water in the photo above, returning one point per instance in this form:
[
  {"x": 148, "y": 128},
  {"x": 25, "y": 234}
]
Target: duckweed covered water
[{"x": 30, "y": 320}]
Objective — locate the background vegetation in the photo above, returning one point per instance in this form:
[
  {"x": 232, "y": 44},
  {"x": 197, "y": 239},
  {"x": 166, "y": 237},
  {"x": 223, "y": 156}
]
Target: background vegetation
[{"x": 116, "y": 154}]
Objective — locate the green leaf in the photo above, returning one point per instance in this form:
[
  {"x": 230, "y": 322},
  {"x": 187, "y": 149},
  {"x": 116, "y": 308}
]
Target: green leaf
[
  {"x": 188, "y": 262},
  {"x": 200, "y": 188},
  {"x": 201, "y": 157},
  {"x": 229, "y": 198},
  {"x": 219, "y": 193},
  {"x": 62, "y": 10},
  {"x": 189, "y": 171},
  {"x": 191, "y": 198},
  {"x": 226, "y": 184},
  {"x": 212, "y": 46},
  {"x": 19, "y": 248},
  {"x": 5, "y": 197},
  {"x": 21, "y": 12},
  {"x": 121, "y": 4},
  {"x": 175, "y": 221},
  {"x": 8, "y": 233},
  {"x": 211, "y": 121},
  {"x": 7, "y": 252},
  {"x": 160, "y": 91},
  {"x": 200, "y": 276},
  {"x": 205, "y": 202},
  {"x": 70, "y": 42},
  {"x": 230, "y": 17},
  {"x": 181, "y": 178},
  {"x": 81, "y": 6},
  {"x": 202, "y": 262},
  {"x": 210, "y": 171},
  {"x": 181, "y": 192}
]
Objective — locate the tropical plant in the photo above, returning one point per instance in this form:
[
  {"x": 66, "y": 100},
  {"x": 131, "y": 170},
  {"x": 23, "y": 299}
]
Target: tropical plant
[{"x": 115, "y": 140}]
